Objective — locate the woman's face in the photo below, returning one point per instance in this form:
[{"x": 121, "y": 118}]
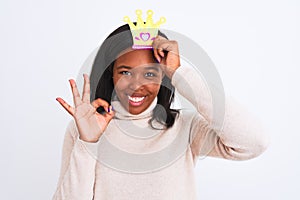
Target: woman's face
[{"x": 137, "y": 78}]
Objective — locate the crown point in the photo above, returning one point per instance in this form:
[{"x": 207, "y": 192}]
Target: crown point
[
  {"x": 138, "y": 12},
  {"x": 162, "y": 20},
  {"x": 150, "y": 12},
  {"x": 126, "y": 19}
]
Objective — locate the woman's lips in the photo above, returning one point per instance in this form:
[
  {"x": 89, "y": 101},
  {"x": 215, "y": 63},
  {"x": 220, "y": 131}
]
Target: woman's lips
[{"x": 136, "y": 101}]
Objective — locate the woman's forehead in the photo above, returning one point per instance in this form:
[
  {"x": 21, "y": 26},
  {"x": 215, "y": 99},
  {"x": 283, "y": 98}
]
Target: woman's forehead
[{"x": 133, "y": 58}]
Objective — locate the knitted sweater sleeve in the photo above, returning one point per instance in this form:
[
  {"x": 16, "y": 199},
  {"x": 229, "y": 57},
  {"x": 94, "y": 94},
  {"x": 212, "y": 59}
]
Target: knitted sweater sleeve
[
  {"x": 241, "y": 135},
  {"x": 77, "y": 173}
]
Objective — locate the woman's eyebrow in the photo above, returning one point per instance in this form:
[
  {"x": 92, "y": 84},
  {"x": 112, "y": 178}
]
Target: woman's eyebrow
[
  {"x": 153, "y": 68},
  {"x": 147, "y": 68},
  {"x": 124, "y": 66}
]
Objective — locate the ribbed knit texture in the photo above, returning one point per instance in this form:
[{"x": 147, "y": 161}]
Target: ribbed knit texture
[{"x": 94, "y": 171}]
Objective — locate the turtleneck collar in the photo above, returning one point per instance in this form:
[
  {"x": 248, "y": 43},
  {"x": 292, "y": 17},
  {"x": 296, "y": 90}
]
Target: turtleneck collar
[{"x": 122, "y": 113}]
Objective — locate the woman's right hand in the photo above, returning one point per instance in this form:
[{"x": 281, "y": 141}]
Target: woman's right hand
[{"x": 89, "y": 122}]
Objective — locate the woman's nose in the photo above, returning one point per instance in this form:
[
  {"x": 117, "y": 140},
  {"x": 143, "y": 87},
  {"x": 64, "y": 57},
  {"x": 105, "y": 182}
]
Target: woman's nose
[{"x": 136, "y": 82}]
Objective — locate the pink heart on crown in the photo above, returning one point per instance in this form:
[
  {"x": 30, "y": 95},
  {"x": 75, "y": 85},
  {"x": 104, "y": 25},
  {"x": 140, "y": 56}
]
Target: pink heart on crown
[{"x": 145, "y": 36}]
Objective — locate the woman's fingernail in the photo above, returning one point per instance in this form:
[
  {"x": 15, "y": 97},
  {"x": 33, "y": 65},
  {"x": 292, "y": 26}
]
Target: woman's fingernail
[
  {"x": 157, "y": 60},
  {"x": 108, "y": 109}
]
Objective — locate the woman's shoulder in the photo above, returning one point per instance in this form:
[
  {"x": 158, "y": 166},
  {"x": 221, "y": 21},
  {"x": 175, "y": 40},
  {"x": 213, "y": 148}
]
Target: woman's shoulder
[{"x": 188, "y": 115}]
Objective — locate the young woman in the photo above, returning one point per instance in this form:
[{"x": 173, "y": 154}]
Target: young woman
[{"x": 157, "y": 147}]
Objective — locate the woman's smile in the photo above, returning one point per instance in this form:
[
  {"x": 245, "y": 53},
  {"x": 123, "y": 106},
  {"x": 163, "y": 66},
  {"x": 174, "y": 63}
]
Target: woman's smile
[{"x": 136, "y": 101}]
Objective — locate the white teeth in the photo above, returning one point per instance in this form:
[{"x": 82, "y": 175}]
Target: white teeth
[{"x": 135, "y": 99}]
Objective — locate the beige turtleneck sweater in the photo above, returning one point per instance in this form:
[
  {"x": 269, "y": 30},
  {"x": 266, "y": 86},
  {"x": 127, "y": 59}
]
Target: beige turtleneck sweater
[{"x": 133, "y": 161}]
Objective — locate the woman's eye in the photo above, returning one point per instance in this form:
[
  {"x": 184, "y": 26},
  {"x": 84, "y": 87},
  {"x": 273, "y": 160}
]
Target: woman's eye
[
  {"x": 125, "y": 73},
  {"x": 150, "y": 74}
]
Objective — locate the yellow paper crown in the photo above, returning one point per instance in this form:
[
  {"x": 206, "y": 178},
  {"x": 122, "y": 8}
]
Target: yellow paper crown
[{"x": 143, "y": 33}]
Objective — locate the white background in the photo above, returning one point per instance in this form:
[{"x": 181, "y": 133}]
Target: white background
[{"x": 254, "y": 44}]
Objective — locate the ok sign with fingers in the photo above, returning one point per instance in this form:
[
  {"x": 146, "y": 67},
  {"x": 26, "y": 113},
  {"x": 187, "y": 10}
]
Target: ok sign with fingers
[{"x": 89, "y": 122}]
